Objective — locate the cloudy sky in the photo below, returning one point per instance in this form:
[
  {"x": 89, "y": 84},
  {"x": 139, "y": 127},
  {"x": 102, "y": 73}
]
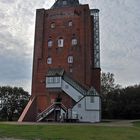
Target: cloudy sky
[{"x": 120, "y": 39}]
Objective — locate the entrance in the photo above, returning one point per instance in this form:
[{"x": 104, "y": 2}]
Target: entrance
[{"x": 57, "y": 115}]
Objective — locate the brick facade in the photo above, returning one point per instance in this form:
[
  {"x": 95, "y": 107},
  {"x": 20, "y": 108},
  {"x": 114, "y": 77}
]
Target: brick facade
[{"x": 65, "y": 23}]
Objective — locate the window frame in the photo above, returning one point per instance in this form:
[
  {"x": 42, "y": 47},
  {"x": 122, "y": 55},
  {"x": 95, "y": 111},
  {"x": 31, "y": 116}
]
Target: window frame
[
  {"x": 91, "y": 99},
  {"x": 50, "y": 43},
  {"x": 49, "y": 60},
  {"x": 52, "y": 25},
  {"x": 53, "y": 80},
  {"x": 70, "y": 23},
  {"x": 49, "y": 80},
  {"x": 70, "y": 59},
  {"x": 60, "y": 42},
  {"x": 56, "y": 79},
  {"x": 74, "y": 41}
]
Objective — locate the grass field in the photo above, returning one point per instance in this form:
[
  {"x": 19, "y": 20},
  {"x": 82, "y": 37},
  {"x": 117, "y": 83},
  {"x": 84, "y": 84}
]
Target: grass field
[{"x": 70, "y": 132}]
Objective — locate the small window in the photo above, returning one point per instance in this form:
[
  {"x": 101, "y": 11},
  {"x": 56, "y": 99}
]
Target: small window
[
  {"x": 91, "y": 99},
  {"x": 50, "y": 43},
  {"x": 79, "y": 105},
  {"x": 60, "y": 42},
  {"x": 53, "y": 25},
  {"x": 53, "y": 80},
  {"x": 70, "y": 59},
  {"x": 49, "y": 60},
  {"x": 56, "y": 79},
  {"x": 74, "y": 41},
  {"x": 49, "y": 80},
  {"x": 70, "y": 23}
]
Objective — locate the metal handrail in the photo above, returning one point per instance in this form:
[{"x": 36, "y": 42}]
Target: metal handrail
[
  {"x": 49, "y": 108},
  {"x": 45, "y": 111}
]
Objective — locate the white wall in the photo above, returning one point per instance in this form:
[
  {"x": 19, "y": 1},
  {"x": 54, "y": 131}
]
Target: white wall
[
  {"x": 86, "y": 110},
  {"x": 66, "y": 87},
  {"x": 84, "y": 115},
  {"x": 92, "y": 106}
]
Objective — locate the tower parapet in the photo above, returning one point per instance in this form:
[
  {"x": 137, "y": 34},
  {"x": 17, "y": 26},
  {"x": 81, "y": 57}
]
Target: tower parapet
[{"x": 64, "y": 3}]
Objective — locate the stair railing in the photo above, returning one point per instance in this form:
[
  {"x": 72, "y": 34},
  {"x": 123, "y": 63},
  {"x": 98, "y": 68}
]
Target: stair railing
[{"x": 45, "y": 111}]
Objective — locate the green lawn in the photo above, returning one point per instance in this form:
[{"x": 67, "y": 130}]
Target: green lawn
[
  {"x": 137, "y": 124},
  {"x": 70, "y": 132}
]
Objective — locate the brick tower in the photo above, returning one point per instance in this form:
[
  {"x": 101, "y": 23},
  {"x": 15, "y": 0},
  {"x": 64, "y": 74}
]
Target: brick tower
[{"x": 66, "y": 65}]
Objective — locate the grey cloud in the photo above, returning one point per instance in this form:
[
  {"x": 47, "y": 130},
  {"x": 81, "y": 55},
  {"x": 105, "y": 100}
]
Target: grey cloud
[
  {"x": 16, "y": 41},
  {"x": 119, "y": 27},
  {"x": 10, "y": 41},
  {"x": 8, "y": 1},
  {"x": 3, "y": 27},
  {"x": 2, "y": 15},
  {"x": 14, "y": 67}
]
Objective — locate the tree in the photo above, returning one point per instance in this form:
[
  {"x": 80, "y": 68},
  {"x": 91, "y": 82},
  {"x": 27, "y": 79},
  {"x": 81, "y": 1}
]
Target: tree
[
  {"x": 130, "y": 99},
  {"x": 108, "y": 86},
  {"x": 118, "y": 102},
  {"x": 13, "y": 101},
  {"x": 108, "y": 83}
]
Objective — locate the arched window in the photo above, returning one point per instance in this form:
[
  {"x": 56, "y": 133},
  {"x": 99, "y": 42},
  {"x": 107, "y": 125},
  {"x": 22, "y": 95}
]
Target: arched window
[
  {"x": 70, "y": 59},
  {"x": 74, "y": 41},
  {"x": 52, "y": 25},
  {"x": 70, "y": 23},
  {"x": 49, "y": 60},
  {"x": 60, "y": 42},
  {"x": 50, "y": 43}
]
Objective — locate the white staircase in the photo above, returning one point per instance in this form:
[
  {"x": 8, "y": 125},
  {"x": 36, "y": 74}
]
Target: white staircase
[
  {"x": 69, "y": 86},
  {"x": 57, "y": 79},
  {"x": 49, "y": 110}
]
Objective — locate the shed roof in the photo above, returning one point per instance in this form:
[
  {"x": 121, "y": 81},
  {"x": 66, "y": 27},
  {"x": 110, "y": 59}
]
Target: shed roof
[{"x": 55, "y": 72}]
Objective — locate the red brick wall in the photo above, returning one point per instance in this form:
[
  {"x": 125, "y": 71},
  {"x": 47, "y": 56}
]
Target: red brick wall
[{"x": 82, "y": 69}]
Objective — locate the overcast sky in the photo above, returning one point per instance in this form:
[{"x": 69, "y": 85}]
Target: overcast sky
[{"x": 120, "y": 39}]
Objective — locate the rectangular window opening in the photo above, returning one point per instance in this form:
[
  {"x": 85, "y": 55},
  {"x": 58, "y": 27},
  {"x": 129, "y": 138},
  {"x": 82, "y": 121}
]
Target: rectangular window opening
[
  {"x": 60, "y": 42},
  {"x": 92, "y": 99}
]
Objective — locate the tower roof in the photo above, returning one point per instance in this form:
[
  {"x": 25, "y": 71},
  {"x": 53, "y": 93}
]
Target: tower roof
[{"x": 64, "y": 3}]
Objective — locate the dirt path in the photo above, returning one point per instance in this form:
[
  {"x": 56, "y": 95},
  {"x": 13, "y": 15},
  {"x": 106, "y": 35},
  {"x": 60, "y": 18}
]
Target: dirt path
[
  {"x": 119, "y": 123},
  {"x": 123, "y": 123}
]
